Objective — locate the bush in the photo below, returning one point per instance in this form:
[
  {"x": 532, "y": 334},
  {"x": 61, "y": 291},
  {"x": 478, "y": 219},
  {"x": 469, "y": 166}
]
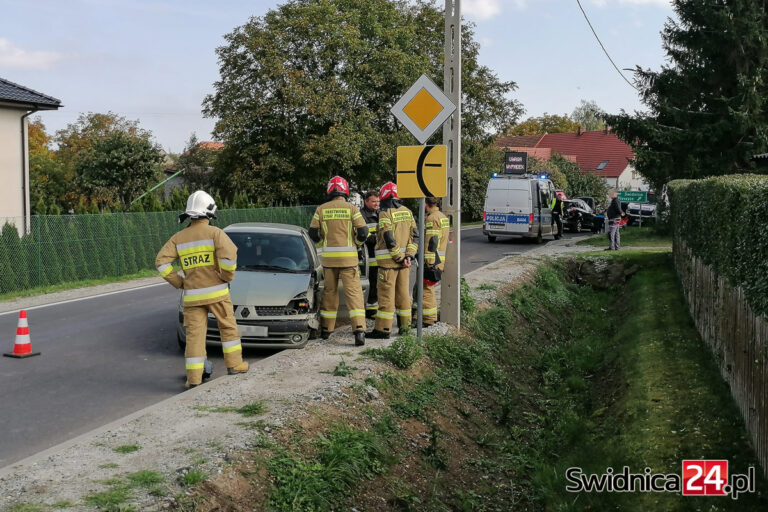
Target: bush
[{"x": 722, "y": 221}]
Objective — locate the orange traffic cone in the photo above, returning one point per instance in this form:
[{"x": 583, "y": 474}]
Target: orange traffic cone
[{"x": 23, "y": 346}]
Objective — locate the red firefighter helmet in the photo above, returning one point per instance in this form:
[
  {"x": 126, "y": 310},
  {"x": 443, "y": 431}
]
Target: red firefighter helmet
[
  {"x": 388, "y": 190},
  {"x": 338, "y": 186}
]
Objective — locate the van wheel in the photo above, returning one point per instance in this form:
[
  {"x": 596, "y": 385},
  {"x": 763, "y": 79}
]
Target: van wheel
[
  {"x": 491, "y": 238},
  {"x": 539, "y": 238}
]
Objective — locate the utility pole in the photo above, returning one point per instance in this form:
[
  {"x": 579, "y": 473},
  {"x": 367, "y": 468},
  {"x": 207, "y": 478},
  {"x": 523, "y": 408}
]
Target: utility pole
[{"x": 450, "y": 289}]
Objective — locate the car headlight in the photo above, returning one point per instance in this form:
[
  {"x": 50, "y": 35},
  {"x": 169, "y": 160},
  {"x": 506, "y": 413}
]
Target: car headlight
[{"x": 300, "y": 306}]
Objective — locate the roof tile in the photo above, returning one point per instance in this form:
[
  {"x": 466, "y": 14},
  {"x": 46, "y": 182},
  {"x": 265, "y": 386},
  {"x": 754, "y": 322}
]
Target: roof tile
[{"x": 15, "y": 93}]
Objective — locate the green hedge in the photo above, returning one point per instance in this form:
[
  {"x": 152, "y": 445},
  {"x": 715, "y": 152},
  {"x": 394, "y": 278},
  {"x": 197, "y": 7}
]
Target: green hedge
[
  {"x": 67, "y": 248},
  {"x": 724, "y": 221}
]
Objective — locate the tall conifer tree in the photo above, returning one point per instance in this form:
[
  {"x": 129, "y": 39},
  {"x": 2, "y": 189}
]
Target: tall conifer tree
[{"x": 707, "y": 106}]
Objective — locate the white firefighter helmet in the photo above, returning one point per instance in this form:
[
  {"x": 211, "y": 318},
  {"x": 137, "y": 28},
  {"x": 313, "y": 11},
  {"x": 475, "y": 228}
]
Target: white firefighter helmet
[{"x": 199, "y": 205}]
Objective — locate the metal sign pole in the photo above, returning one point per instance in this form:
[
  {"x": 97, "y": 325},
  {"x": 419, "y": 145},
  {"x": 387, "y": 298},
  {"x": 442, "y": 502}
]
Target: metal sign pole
[
  {"x": 450, "y": 289},
  {"x": 420, "y": 273}
]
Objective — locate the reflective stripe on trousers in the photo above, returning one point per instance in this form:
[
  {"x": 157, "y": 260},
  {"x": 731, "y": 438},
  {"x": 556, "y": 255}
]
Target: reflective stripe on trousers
[{"x": 210, "y": 292}]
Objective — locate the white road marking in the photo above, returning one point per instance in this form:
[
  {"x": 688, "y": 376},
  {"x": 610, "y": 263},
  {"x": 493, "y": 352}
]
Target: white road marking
[{"x": 81, "y": 298}]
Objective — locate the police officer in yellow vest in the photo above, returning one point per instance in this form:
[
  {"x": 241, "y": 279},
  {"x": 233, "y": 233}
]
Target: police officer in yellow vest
[
  {"x": 341, "y": 228},
  {"x": 208, "y": 260},
  {"x": 396, "y": 246},
  {"x": 436, "y": 229}
]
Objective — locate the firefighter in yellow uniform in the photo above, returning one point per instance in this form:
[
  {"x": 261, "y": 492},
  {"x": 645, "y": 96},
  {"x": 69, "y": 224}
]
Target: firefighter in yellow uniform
[
  {"x": 208, "y": 260},
  {"x": 396, "y": 246},
  {"x": 340, "y": 226},
  {"x": 436, "y": 229}
]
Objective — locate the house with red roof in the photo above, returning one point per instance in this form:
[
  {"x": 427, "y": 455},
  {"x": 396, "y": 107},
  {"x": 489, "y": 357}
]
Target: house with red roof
[{"x": 598, "y": 152}]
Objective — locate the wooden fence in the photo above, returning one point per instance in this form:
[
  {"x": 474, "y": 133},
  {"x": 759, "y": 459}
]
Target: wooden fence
[{"x": 738, "y": 339}]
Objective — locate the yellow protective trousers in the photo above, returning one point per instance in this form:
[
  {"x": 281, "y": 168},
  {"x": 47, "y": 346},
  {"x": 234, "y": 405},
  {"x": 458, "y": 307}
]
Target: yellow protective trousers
[
  {"x": 429, "y": 303},
  {"x": 196, "y": 323},
  {"x": 394, "y": 298},
  {"x": 353, "y": 293}
]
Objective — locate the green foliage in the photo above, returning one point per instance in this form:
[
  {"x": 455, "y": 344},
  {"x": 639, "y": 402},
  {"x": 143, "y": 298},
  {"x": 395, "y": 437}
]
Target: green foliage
[
  {"x": 110, "y": 500},
  {"x": 402, "y": 353},
  {"x": 193, "y": 477},
  {"x": 305, "y": 93},
  {"x": 127, "y": 448},
  {"x": 343, "y": 369},
  {"x": 546, "y": 123},
  {"x": 580, "y": 184},
  {"x": 26, "y": 507},
  {"x": 722, "y": 221},
  {"x": 548, "y": 167},
  {"x": 468, "y": 305},
  {"x": 589, "y": 115},
  {"x": 345, "y": 459},
  {"x": 706, "y": 108},
  {"x": 119, "y": 167},
  {"x": 145, "y": 478},
  {"x": 248, "y": 410}
]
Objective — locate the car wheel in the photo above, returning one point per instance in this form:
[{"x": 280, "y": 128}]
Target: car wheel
[
  {"x": 182, "y": 343},
  {"x": 578, "y": 226},
  {"x": 491, "y": 239}
]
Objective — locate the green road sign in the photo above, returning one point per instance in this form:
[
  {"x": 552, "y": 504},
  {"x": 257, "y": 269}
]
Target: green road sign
[{"x": 633, "y": 196}]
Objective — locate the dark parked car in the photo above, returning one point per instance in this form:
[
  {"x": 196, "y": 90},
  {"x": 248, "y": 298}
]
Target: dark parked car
[{"x": 579, "y": 215}]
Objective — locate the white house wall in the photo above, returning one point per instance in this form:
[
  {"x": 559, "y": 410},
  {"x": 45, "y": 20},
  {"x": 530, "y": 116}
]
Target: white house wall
[
  {"x": 11, "y": 195},
  {"x": 631, "y": 180}
]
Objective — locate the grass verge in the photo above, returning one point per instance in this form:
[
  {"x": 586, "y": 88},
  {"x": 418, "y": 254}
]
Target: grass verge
[
  {"x": 632, "y": 236},
  {"x": 550, "y": 376}
]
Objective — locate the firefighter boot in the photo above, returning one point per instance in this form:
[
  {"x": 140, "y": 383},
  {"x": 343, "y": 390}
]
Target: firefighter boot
[
  {"x": 377, "y": 335},
  {"x": 207, "y": 370},
  {"x": 241, "y": 368},
  {"x": 359, "y": 338}
]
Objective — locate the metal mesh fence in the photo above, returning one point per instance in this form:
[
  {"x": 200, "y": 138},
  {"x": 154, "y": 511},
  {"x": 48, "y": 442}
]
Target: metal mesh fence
[{"x": 55, "y": 249}]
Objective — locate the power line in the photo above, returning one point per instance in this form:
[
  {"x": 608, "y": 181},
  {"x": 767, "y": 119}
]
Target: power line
[{"x": 603, "y": 47}]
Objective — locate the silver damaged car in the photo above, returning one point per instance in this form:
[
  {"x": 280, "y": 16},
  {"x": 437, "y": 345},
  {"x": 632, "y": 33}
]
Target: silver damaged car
[{"x": 277, "y": 287}]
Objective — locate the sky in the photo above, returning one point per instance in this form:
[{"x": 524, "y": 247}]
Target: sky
[{"x": 155, "y": 61}]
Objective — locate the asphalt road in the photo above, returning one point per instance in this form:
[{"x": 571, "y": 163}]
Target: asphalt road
[{"x": 108, "y": 356}]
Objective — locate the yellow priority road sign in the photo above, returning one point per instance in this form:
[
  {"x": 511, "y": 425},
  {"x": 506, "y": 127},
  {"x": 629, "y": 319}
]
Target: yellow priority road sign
[
  {"x": 423, "y": 108},
  {"x": 422, "y": 171}
]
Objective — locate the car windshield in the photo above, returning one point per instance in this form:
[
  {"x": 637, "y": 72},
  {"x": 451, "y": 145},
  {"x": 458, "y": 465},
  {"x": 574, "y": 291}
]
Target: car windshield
[{"x": 268, "y": 252}]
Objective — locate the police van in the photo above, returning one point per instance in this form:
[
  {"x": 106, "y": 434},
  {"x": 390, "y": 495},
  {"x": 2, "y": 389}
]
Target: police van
[{"x": 518, "y": 205}]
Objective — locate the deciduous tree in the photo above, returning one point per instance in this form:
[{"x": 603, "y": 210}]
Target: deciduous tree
[
  {"x": 305, "y": 93},
  {"x": 119, "y": 166},
  {"x": 547, "y": 123},
  {"x": 589, "y": 115}
]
